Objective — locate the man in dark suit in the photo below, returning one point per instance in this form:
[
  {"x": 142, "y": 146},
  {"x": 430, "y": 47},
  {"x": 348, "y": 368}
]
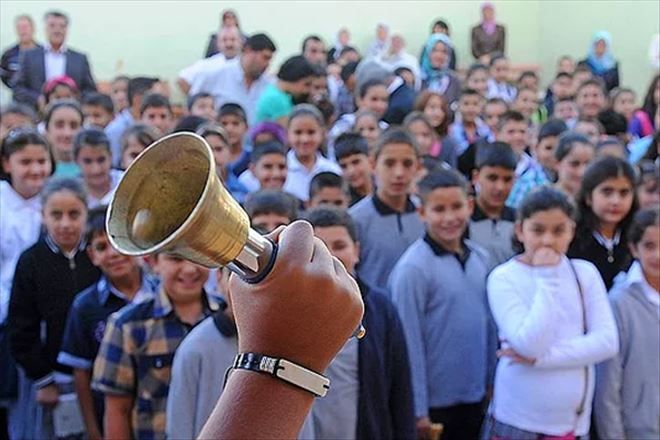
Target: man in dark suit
[{"x": 38, "y": 65}]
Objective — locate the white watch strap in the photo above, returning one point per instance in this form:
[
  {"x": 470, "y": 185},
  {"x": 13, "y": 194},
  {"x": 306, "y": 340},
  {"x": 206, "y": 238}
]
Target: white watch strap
[{"x": 285, "y": 370}]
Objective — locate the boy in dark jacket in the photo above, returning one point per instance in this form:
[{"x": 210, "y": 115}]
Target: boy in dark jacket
[{"x": 372, "y": 395}]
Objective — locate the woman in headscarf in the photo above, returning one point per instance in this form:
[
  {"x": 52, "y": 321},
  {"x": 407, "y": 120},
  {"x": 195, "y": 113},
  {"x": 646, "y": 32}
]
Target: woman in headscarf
[
  {"x": 601, "y": 61},
  {"x": 488, "y": 37},
  {"x": 436, "y": 75}
]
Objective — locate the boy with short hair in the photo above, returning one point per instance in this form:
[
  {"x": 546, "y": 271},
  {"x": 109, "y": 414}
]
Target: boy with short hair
[
  {"x": 352, "y": 154},
  {"x": 202, "y": 105},
  {"x": 492, "y": 222},
  {"x": 91, "y": 151},
  {"x": 567, "y": 110},
  {"x": 122, "y": 282},
  {"x": 591, "y": 128},
  {"x": 269, "y": 209},
  {"x": 590, "y": 98},
  {"x": 390, "y": 211},
  {"x": 514, "y": 130},
  {"x": 134, "y": 362},
  {"x": 233, "y": 119},
  {"x": 372, "y": 396},
  {"x": 156, "y": 112},
  {"x": 327, "y": 188},
  {"x": 267, "y": 169},
  {"x": 562, "y": 87},
  {"x": 526, "y": 102},
  {"x": 137, "y": 88},
  {"x": 542, "y": 169},
  {"x": 98, "y": 110},
  {"x": 439, "y": 288},
  {"x": 469, "y": 127}
]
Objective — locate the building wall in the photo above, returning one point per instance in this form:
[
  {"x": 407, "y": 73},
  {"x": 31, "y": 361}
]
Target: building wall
[{"x": 160, "y": 38}]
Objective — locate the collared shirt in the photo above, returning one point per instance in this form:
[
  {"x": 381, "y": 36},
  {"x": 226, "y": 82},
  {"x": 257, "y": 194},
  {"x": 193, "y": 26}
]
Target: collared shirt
[
  {"x": 636, "y": 276},
  {"x": 135, "y": 358},
  {"x": 191, "y": 74},
  {"x": 299, "y": 177},
  {"x": 493, "y": 234},
  {"x": 54, "y": 61},
  {"x": 227, "y": 85},
  {"x": 86, "y": 324},
  {"x": 87, "y": 319},
  {"x": 20, "y": 224},
  {"x": 115, "y": 178},
  {"x": 439, "y": 250}
]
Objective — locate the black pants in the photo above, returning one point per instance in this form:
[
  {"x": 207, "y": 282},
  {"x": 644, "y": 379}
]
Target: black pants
[{"x": 461, "y": 422}]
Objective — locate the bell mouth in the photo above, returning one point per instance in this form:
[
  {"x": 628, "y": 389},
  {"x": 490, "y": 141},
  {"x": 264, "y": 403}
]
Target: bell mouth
[{"x": 159, "y": 193}]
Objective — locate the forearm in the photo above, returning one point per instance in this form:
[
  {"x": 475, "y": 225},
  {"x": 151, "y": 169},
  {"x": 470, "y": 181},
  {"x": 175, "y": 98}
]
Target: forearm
[
  {"x": 82, "y": 380},
  {"x": 117, "y": 420},
  {"x": 580, "y": 351},
  {"x": 255, "y": 405}
]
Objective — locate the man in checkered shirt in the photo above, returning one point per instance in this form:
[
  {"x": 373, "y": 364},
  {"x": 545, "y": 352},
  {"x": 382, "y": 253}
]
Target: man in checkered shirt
[{"x": 134, "y": 362}]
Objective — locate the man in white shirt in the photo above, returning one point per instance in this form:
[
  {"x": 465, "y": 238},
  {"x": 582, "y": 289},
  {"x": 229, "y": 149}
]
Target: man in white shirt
[
  {"x": 38, "y": 65},
  {"x": 241, "y": 80},
  {"x": 229, "y": 46}
]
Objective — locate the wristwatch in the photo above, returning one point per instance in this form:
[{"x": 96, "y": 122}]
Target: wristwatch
[{"x": 285, "y": 370}]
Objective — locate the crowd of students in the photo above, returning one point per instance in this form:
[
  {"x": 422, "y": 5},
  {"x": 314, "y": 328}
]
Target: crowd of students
[{"x": 505, "y": 237}]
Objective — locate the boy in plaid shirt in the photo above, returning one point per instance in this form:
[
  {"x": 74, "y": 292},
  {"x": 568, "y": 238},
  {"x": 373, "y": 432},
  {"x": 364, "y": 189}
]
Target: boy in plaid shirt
[{"x": 134, "y": 362}]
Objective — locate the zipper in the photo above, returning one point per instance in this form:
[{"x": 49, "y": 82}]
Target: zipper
[
  {"x": 72, "y": 262},
  {"x": 398, "y": 221}
]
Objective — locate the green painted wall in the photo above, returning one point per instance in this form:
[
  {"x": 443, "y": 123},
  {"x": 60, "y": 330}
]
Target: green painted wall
[{"x": 160, "y": 38}]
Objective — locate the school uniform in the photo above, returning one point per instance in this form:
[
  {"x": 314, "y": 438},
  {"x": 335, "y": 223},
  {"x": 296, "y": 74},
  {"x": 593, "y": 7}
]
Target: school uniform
[
  {"x": 20, "y": 225},
  {"x": 539, "y": 314},
  {"x": 135, "y": 358},
  {"x": 627, "y": 401},
  {"x": 299, "y": 178},
  {"x": 441, "y": 299},
  {"x": 371, "y": 395},
  {"x": 86, "y": 323},
  {"x": 197, "y": 381},
  {"x": 45, "y": 285},
  {"x": 115, "y": 178},
  {"x": 493, "y": 234},
  {"x": 384, "y": 235},
  {"x": 610, "y": 257}
]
